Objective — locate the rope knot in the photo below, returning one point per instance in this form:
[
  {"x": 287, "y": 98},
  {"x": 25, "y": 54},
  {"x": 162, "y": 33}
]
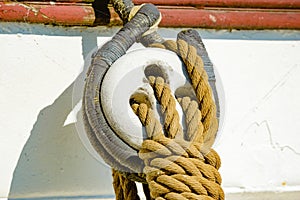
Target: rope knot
[
  {"x": 178, "y": 160},
  {"x": 181, "y": 165},
  {"x": 176, "y": 169}
]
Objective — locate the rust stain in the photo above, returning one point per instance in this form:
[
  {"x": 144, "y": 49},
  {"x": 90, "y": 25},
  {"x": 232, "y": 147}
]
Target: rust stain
[{"x": 283, "y": 183}]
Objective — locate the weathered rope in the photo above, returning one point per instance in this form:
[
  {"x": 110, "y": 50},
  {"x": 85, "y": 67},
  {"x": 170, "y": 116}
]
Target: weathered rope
[
  {"x": 175, "y": 169},
  {"x": 192, "y": 118},
  {"x": 120, "y": 155},
  {"x": 168, "y": 106},
  {"x": 158, "y": 151},
  {"x": 178, "y": 168},
  {"x": 199, "y": 80},
  {"x": 124, "y": 188},
  {"x": 127, "y": 11}
]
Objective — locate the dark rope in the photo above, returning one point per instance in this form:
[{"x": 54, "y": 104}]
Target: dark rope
[
  {"x": 114, "y": 151},
  {"x": 123, "y": 8}
]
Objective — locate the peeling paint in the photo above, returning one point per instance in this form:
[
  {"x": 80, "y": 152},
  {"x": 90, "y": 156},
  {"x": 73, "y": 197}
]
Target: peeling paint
[
  {"x": 213, "y": 18},
  {"x": 30, "y": 8},
  {"x": 36, "y": 12}
]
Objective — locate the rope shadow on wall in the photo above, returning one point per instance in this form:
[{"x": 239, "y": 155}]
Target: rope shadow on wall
[{"x": 53, "y": 162}]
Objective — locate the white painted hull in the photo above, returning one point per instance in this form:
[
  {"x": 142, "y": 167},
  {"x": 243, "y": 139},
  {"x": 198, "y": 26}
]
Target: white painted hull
[{"x": 43, "y": 157}]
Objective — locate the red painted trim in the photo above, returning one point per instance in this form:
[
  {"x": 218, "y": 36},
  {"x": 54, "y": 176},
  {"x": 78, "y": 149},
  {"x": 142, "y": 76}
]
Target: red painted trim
[
  {"x": 58, "y": 1},
  {"x": 224, "y": 18},
  {"x": 227, "y": 3},
  {"x": 247, "y": 19},
  {"x": 47, "y": 13},
  {"x": 173, "y": 16},
  {"x": 72, "y": 1}
]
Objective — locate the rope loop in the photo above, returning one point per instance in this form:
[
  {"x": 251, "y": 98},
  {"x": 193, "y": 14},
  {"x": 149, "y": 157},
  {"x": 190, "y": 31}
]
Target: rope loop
[
  {"x": 181, "y": 165},
  {"x": 199, "y": 80},
  {"x": 172, "y": 163}
]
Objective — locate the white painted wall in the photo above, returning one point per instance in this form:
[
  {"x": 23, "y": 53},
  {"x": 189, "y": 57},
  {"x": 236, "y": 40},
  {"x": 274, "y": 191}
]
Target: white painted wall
[{"x": 42, "y": 155}]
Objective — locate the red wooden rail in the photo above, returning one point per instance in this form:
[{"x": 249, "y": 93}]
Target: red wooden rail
[
  {"x": 238, "y": 19},
  {"x": 225, "y": 18},
  {"x": 47, "y": 13},
  {"x": 218, "y": 14},
  {"x": 227, "y": 3}
]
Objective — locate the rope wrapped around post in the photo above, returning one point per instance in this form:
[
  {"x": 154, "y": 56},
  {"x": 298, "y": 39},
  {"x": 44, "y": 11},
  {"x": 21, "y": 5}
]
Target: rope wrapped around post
[
  {"x": 181, "y": 165},
  {"x": 119, "y": 155},
  {"x": 173, "y": 164}
]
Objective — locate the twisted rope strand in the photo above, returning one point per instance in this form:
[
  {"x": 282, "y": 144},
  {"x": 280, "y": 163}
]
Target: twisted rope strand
[
  {"x": 117, "y": 185},
  {"x": 192, "y": 119},
  {"x": 125, "y": 189},
  {"x": 199, "y": 80},
  {"x": 168, "y": 106},
  {"x": 146, "y": 116}
]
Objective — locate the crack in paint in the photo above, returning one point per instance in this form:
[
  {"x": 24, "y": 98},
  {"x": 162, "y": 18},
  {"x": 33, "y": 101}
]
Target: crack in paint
[
  {"x": 46, "y": 17},
  {"x": 275, "y": 145},
  {"x": 29, "y": 8},
  {"x": 269, "y": 94}
]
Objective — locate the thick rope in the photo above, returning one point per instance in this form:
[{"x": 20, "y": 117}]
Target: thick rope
[
  {"x": 179, "y": 167},
  {"x": 124, "y": 188},
  {"x": 192, "y": 118},
  {"x": 168, "y": 106},
  {"x": 120, "y": 156},
  {"x": 159, "y": 151},
  {"x": 176, "y": 170},
  {"x": 199, "y": 80},
  {"x": 174, "y": 167}
]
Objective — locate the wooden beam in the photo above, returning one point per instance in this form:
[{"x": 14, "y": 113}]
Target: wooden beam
[
  {"x": 47, "y": 13},
  {"x": 230, "y": 19},
  {"x": 172, "y": 16},
  {"x": 227, "y": 3},
  {"x": 222, "y": 18}
]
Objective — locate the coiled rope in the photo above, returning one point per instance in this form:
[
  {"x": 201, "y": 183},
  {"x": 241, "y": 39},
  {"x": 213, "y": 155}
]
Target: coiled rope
[{"x": 172, "y": 164}]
